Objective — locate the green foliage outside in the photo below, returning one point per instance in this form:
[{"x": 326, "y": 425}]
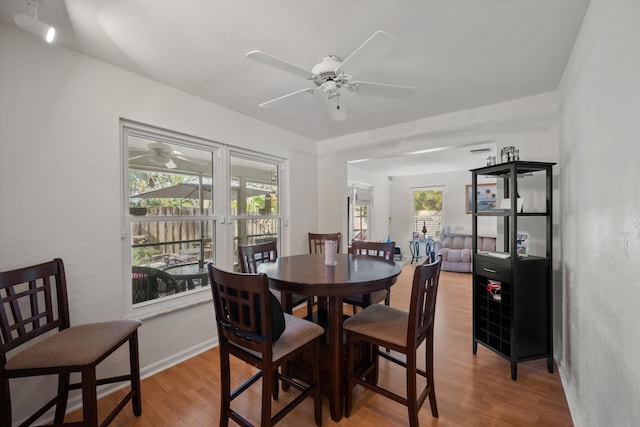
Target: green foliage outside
[
  {"x": 429, "y": 200},
  {"x": 143, "y": 255}
]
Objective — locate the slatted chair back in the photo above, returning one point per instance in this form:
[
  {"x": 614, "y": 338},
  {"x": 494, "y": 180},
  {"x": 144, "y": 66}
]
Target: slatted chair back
[
  {"x": 375, "y": 249},
  {"x": 251, "y": 256},
  {"x": 241, "y": 306},
  {"x": 33, "y": 301},
  {"x": 316, "y": 241},
  {"x": 424, "y": 292}
]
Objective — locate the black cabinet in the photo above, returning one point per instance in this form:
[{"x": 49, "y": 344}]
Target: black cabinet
[{"x": 512, "y": 299}]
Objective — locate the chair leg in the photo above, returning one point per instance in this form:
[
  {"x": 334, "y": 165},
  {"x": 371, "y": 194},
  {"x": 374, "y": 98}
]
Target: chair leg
[
  {"x": 412, "y": 396},
  {"x": 225, "y": 386},
  {"x": 63, "y": 394},
  {"x": 276, "y": 388},
  {"x": 134, "y": 365},
  {"x": 286, "y": 301},
  {"x": 348, "y": 401},
  {"x": 5, "y": 403},
  {"x": 267, "y": 389},
  {"x": 387, "y": 302},
  {"x": 375, "y": 358},
  {"x": 317, "y": 399},
  {"x": 285, "y": 372},
  {"x": 310, "y": 306},
  {"x": 89, "y": 397},
  {"x": 429, "y": 370}
]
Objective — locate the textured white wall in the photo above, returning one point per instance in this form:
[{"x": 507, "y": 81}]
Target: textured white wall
[
  {"x": 600, "y": 218},
  {"x": 60, "y": 183}
]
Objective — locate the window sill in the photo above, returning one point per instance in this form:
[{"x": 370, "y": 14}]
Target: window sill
[{"x": 154, "y": 308}]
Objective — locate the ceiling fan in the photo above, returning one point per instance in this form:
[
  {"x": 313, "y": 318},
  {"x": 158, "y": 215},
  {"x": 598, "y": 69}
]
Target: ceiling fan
[
  {"x": 162, "y": 154},
  {"x": 330, "y": 75}
]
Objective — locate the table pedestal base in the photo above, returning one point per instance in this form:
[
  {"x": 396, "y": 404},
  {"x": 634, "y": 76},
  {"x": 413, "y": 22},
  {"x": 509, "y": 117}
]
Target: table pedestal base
[{"x": 300, "y": 368}]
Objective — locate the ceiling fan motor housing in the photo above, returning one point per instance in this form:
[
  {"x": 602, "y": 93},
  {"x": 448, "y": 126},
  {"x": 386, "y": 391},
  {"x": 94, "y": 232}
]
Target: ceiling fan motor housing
[{"x": 326, "y": 70}]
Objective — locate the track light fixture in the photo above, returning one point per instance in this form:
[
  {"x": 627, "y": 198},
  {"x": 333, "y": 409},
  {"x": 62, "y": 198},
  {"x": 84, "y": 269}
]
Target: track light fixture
[{"x": 30, "y": 24}]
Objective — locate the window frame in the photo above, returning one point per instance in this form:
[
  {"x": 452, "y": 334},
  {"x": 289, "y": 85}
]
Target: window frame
[
  {"x": 157, "y": 306},
  {"x": 433, "y": 231},
  {"x": 281, "y": 166},
  {"x": 353, "y": 209}
]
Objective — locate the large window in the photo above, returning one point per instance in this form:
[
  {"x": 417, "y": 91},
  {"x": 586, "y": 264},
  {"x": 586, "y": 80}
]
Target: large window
[
  {"x": 180, "y": 195},
  {"x": 427, "y": 210},
  {"x": 170, "y": 218}
]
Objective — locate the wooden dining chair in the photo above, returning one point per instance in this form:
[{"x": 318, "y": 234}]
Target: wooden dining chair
[
  {"x": 37, "y": 339},
  {"x": 380, "y": 325},
  {"x": 244, "y": 325},
  {"x": 316, "y": 246},
  {"x": 316, "y": 242},
  {"x": 251, "y": 256},
  {"x": 383, "y": 250}
]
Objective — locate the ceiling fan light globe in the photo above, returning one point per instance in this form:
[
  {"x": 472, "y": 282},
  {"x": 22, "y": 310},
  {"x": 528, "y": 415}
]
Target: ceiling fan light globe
[
  {"x": 159, "y": 159},
  {"x": 330, "y": 88}
]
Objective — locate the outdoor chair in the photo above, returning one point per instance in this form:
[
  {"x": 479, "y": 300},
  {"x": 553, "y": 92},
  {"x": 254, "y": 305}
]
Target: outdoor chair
[
  {"x": 380, "y": 325},
  {"x": 243, "y": 318},
  {"x": 37, "y": 340},
  {"x": 150, "y": 283},
  {"x": 251, "y": 256},
  {"x": 381, "y": 250}
]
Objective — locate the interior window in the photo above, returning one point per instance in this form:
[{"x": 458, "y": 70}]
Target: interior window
[
  {"x": 360, "y": 207},
  {"x": 427, "y": 211}
]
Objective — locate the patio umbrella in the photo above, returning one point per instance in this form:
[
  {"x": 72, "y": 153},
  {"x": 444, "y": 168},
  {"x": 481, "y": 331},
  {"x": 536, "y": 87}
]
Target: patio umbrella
[
  {"x": 188, "y": 190},
  {"x": 183, "y": 190}
]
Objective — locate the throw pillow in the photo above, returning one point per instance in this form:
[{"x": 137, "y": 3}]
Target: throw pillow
[{"x": 278, "y": 323}]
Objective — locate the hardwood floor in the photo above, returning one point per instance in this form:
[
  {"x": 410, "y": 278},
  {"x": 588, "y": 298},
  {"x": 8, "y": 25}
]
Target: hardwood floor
[{"x": 470, "y": 390}]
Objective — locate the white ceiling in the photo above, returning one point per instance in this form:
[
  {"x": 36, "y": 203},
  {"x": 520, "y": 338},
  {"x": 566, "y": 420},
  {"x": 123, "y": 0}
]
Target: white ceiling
[{"x": 460, "y": 54}]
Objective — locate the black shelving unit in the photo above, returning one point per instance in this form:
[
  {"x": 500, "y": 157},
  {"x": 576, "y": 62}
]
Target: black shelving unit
[{"x": 517, "y": 324}]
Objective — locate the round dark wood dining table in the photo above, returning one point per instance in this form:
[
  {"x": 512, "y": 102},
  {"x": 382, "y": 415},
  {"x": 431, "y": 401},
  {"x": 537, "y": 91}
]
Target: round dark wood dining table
[{"x": 352, "y": 275}]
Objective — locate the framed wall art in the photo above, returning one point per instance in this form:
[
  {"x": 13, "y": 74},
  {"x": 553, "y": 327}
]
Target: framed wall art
[{"x": 486, "y": 195}]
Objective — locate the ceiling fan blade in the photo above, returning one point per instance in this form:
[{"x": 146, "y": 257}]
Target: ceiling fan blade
[
  {"x": 285, "y": 98},
  {"x": 384, "y": 90},
  {"x": 178, "y": 155},
  {"x": 272, "y": 61},
  {"x": 140, "y": 156},
  {"x": 336, "y": 109},
  {"x": 372, "y": 50},
  {"x": 170, "y": 164}
]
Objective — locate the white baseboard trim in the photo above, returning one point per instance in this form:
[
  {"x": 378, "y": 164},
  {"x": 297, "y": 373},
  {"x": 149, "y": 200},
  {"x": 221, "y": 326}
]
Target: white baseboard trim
[
  {"x": 74, "y": 403},
  {"x": 177, "y": 358},
  {"x": 576, "y": 417}
]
